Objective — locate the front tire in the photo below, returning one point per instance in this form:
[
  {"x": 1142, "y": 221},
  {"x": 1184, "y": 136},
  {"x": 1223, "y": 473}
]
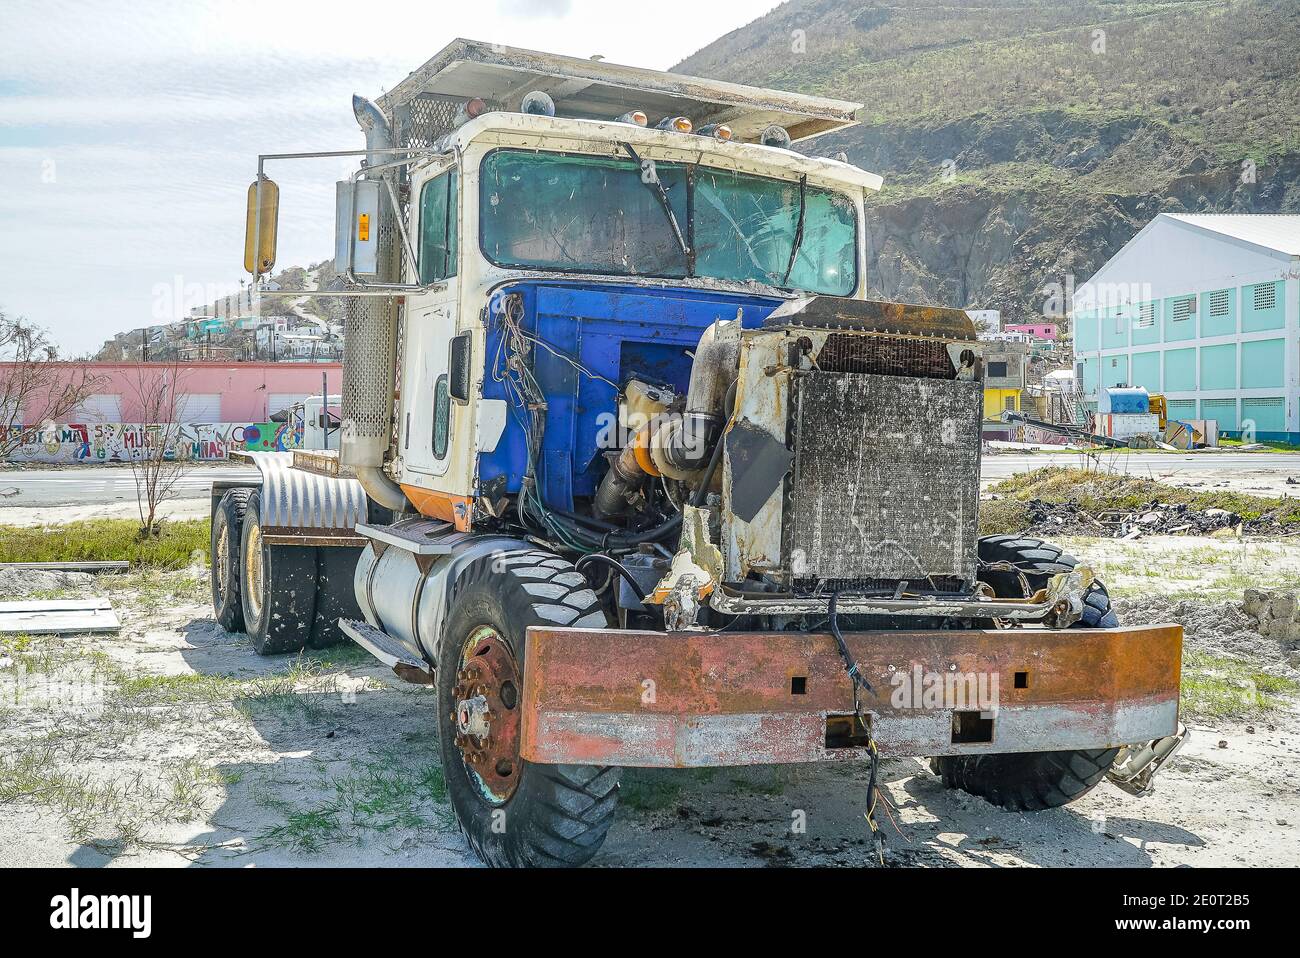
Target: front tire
[
  {"x": 278, "y": 588},
  {"x": 514, "y": 813},
  {"x": 1031, "y": 781}
]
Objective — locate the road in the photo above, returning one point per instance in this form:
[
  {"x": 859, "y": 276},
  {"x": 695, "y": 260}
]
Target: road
[
  {"x": 1247, "y": 471},
  {"x": 1261, "y": 473},
  {"x": 89, "y": 485}
]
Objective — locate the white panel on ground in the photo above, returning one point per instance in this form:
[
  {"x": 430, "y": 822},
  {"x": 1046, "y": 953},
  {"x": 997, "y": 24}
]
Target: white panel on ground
[{"x": 58, "y": 616}]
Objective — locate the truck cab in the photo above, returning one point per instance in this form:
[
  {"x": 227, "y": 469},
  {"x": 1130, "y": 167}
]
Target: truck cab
[{"x": 632, "y": 472}]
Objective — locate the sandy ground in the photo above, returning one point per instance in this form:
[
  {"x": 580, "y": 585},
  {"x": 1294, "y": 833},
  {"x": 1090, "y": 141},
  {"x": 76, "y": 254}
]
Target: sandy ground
[{"x": 174, "y": 744}]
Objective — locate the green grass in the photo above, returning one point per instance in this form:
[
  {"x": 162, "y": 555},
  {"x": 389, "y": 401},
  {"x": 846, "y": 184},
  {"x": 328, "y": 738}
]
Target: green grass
[
  {"x": 177, "y": 545},
  {"x": 1002, "y": 517},
  {"x": 1220, "y": 687},
  {"x": 1096, "y": 491},
  {"x": 376, "y": 798}
]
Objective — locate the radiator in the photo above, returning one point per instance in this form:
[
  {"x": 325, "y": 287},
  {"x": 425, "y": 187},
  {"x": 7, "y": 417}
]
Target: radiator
[{"x": 884, "y": 484}]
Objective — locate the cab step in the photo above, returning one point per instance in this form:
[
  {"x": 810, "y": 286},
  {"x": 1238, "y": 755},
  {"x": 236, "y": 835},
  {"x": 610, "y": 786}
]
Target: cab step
[{"x": 406, "y": 665}]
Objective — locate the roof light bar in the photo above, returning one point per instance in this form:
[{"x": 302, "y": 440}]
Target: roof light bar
[
  {"x": 679, "y": 124},
  {"x": 775, "y": 136},
  {"x": 537, "y": 103}
]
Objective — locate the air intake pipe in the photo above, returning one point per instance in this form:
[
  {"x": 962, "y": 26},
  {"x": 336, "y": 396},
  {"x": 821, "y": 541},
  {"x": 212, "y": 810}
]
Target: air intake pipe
[
  {"x": 678, "y": 446},
  {"x": 370, "y": 343},
  {"x": 684, "y": 444}
]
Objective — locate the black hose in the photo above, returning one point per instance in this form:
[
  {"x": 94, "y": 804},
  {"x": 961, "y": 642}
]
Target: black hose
[
  {"x": 702, "y": 492},
  {"x": 614, "y": 564}
]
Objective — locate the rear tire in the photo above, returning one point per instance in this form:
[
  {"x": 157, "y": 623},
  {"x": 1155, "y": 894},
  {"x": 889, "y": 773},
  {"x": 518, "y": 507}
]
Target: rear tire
[
  {"x": 278, "y": 588},
  {"x": 533, "y": 815},
  {"x": 1028, "y": 781},
  {"x": 227, "y": 526},
  {"x": 1032, "y": 781}
]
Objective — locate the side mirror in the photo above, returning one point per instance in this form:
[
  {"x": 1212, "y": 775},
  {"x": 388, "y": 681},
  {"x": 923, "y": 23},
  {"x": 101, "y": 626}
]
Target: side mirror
[
  {"x": 356, "y": 227},
  {"x": 260, "y": 226}
]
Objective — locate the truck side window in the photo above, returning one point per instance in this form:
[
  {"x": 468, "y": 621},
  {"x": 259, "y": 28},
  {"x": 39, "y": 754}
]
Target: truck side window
[
  {"x": 441, "y": 417},
  {"x": 438, "y": 228}
]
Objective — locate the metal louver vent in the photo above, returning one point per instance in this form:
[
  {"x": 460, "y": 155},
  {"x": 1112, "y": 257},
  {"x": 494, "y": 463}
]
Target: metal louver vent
[
  {"x": 885, "y": 356},
  {"x": 1265, "y": 296}
]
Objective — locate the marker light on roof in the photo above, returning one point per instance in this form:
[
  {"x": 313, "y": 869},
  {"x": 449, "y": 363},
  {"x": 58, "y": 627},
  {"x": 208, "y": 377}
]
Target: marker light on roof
[
  {"x": 475, "y": 107},
  {"x": 719, "y": 131},
  {"x": 775, "y": 136},
  {"x": 538, "y": 104},
  {"x": 635, "y": 117},
  {"x": 679, "y": 124}
]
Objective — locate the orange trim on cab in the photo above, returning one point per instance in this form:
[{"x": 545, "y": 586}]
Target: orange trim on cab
[{"x": 441, "y": 505}]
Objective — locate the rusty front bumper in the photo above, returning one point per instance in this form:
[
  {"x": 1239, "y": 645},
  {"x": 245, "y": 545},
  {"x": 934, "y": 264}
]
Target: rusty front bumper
[{"x": 608, "y": 697}]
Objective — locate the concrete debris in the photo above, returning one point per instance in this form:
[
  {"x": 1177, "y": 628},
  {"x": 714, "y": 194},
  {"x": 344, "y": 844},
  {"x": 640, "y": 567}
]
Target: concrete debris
[
  {"x": 16, "y": 582},
  {"x": 1264, "y": 628},
  {"x": 1155, "y": 518}
]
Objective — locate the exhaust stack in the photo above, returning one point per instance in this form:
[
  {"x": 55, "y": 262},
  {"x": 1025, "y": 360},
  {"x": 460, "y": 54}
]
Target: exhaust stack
[{"x": 370, "y": 344}]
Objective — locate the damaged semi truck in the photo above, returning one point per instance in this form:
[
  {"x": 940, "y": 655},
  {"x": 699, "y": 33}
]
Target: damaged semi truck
[{"x": 632, "y": 473}]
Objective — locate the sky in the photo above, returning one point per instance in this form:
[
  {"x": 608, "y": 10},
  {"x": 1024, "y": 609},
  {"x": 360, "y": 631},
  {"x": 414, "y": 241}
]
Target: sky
[{"x": 129, "y": 131}]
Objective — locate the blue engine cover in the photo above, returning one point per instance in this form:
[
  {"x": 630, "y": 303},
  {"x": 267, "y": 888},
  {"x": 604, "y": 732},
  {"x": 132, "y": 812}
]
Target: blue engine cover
[{"x": 615, "y": 331}]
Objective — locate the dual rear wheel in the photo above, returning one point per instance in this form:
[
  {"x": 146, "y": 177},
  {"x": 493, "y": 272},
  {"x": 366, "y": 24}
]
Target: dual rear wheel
[{"x": 284, "y": 598}]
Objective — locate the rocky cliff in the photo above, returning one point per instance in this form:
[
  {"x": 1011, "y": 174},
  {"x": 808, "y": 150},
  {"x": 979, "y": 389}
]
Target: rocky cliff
[{"x": 1023, "y": 143}]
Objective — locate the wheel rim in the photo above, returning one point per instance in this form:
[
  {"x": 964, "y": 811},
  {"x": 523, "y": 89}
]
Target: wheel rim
[
  {"x": 253, "y": 572},
  {"x": 485, "y": 713},
  {"x": 221, "y": 575}
]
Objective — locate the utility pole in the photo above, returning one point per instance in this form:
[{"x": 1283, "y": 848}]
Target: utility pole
[{"x": 325, "y": 406}]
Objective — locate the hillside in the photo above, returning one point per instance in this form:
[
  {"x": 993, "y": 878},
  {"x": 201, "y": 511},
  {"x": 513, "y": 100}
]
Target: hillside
[{"x": 1023, "y": 143}]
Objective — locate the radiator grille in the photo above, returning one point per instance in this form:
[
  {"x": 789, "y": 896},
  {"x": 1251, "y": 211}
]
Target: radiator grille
[
  {"x": 885, "y": 480},
  {"x": 885, "y": 356}
]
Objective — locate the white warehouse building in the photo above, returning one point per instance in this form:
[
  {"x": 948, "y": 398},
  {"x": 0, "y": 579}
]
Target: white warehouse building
[{"x": 1204, "y": 308}]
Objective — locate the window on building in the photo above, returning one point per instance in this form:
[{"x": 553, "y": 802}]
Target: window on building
[
  {"x": 1219, "y": 303},
  {"x": 98, "y": 408},
  {"x": 438, "y": 228},
  {"x": 997, "y": 370},
  {"x": 1184, "y": 308},
  {"x": 1009, "y": 403},
  {"x": 1146, "y": 316},
  {"x": 1264, "y": 296}
]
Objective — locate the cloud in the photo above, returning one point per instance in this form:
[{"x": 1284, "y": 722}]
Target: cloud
[
  {"x": 130, "y": 129},
  {"x": 535, "y": 8}
]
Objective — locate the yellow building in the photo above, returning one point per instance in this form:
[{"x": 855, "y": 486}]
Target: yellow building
[{"x": 997, "y": 401}]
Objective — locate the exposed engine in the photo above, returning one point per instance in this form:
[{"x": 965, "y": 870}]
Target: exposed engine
[{"x": 823, "y": 446}]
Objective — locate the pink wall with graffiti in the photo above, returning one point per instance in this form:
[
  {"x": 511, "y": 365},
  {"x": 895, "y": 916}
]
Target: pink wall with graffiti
[
  {"x": 245, "y": 389},
  {"x": 73, "y": 443},
  {"x": 221, "y": 407}
]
